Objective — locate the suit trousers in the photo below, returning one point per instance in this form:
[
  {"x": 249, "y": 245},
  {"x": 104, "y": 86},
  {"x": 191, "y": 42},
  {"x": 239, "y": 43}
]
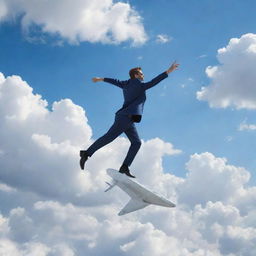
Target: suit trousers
[{"x": 123, "y": 123}]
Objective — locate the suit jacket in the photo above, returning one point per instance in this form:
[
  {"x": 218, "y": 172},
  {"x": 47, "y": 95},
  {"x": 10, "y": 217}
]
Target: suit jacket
[{"x": 134, "y": 92}]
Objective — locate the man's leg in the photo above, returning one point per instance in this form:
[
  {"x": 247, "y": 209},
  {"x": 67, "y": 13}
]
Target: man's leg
[
  {"x": 133, "y": 136},
  {"x": 120, "y": 125}
]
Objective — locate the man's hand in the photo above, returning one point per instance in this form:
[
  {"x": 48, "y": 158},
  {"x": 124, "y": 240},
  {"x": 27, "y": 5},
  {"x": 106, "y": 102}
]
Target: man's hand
[
  {"x": 97, "y": 79},
  {"x": 172, "y": 67}
]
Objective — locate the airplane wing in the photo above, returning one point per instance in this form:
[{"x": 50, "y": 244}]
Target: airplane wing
[
  {"x": 133, "y": 189},
  {"x": 132, "y": 205}
]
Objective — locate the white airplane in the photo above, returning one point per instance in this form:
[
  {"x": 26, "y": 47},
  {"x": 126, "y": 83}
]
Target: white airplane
[{"x": 140, "y": 196}]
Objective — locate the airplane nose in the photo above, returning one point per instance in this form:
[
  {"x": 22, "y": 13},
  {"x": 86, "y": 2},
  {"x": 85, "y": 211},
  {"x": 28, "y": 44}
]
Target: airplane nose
[{"x": 169, "y": 204}]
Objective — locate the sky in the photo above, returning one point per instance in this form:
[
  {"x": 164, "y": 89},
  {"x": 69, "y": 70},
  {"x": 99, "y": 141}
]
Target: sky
[{"x": 198, "y": 129}]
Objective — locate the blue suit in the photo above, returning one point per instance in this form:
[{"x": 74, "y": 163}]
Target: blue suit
[{"x": 134, "y": 92}]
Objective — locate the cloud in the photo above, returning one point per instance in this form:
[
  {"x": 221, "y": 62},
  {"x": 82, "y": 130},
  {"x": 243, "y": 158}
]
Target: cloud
[
  {"x": 233, "y": 80},
  {"x": 39, "y": 140},
  {"x": 246, "y": 127},
  {"x": 221, "y": 182},
  {"x": 88, "y": 20},
  {"x": 202, "y": 56},
  {"x": 50, "y": 207},
  {"x": 6, "y": 188},
  {"x": 163, "y": 39},
  {"x": 3, "y": 10},
  {"x": 228, "y": 138}
]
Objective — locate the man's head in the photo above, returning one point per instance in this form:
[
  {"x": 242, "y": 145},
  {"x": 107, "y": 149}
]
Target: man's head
[{"x": 136, "y": 73}]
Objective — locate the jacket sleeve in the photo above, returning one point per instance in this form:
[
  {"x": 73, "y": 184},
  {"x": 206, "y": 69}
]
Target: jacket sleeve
[
  {"x": 154, "y": 81},
  {"x": 115, "y": 82}
]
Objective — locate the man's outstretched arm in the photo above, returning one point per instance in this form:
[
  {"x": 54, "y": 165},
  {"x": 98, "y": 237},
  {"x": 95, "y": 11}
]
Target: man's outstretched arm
[
  {"x": 173, "y": 67},
  {"x": 110, "y": 80},
  {"x": 160, "y": 77}
]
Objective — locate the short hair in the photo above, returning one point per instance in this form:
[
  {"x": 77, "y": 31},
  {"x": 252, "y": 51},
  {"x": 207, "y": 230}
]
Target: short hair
[{"x": 133, "y": 72}]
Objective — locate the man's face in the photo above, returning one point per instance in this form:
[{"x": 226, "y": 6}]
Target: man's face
[{"x": 140, "y": 75}]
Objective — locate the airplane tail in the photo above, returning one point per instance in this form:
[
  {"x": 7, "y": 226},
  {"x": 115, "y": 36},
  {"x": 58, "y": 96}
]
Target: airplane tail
[{"x": 110, "y": 186}]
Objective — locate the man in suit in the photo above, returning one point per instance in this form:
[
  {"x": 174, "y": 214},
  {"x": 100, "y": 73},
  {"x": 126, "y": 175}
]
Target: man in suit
[{"x": 134, "y": 91}]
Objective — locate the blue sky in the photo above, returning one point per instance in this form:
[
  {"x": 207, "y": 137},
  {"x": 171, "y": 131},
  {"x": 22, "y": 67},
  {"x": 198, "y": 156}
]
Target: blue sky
[
  {"x": 198, "y": 127},
  {"x": 197, "y": 29}
]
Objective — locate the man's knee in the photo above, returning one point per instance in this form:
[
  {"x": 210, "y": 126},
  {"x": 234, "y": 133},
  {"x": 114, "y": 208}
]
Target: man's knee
[{"x": 136, "y": 143}]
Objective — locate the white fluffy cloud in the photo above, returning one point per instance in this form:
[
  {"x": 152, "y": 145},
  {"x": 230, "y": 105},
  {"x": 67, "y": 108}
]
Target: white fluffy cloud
[
  {"x": 233, "y": 80},
  {"x": 49, "y": 207},
  {"x": 77, "y": 21},
  {"x": 210, "y": 179},
  {"x": 34, "y": 140},
  {"x": 163, "y": 39}
]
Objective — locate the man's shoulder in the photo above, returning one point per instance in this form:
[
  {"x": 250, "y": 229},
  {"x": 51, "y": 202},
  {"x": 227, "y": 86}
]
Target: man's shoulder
[{"x": 134, "y": 81}]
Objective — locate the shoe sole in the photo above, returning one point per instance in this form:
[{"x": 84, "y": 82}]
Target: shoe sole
[{"x": 131, "y": 176}]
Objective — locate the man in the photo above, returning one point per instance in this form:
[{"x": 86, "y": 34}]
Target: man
[{"x": 134, "y": 91}]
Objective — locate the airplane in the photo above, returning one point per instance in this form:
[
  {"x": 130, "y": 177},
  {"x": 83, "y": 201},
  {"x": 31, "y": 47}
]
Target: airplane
[{"x": 140, "y": 197}]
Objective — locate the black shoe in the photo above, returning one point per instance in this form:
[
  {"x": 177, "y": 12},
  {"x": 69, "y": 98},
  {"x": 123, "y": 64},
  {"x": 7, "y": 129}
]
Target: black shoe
[
  {"x": 124, "y": 169},
  {"x": 84, "y": 157}
]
